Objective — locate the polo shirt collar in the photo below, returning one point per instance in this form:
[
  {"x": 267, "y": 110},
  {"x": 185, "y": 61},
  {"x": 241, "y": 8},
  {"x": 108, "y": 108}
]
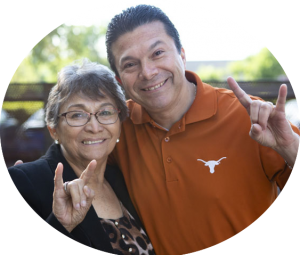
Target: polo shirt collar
[
  {"x": 203, "y": 107},
  {"x": 205, "y": 103}
]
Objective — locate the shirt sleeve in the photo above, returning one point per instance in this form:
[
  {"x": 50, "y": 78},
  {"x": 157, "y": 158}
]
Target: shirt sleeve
[{"x": 274, "y": 165}]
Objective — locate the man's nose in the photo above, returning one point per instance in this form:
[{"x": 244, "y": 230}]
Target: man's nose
[{"x": 148, "y": 70}]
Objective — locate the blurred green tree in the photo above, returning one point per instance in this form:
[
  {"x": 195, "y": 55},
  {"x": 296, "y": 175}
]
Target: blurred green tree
[
  {"x": 211, "y": 73},
  {"x": 262, "y": 66},
  {"x": 59, "y": 48}
]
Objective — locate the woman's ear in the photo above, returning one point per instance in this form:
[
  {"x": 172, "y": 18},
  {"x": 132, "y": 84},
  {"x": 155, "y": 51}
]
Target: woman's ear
[{"x": 53, "y": 133}]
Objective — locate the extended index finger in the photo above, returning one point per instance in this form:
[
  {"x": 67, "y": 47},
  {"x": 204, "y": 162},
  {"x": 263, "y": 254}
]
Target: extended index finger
[
  {"x": 58, "y": 178},
  {"x": 89, "y": 171},
  {"x": 241, "y": 95}
]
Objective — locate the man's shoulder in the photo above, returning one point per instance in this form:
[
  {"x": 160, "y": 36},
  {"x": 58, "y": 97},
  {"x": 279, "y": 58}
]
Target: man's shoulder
[
  {"x": 227, "y": 92},
  {"x": 130, "y": 104}
]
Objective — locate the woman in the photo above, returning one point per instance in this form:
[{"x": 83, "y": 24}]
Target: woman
[{"x": 83, "y": 114}]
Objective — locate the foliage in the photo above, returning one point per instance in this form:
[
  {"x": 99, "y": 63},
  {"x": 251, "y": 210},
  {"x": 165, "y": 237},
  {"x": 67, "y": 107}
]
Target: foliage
[
  {"x": 211, "y": 73},
  {"x": 59, "y": 48},
  {"x": 263, "y": 66}
]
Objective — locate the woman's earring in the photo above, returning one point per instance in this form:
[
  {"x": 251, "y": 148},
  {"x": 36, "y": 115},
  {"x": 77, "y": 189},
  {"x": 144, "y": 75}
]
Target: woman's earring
[
  {"x": 57, "y": 141},
  {"x": 118, "y": 140}
]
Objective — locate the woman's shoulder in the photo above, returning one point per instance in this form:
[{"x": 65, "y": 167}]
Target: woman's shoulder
[
  {"x": 29, "y": 166},
  {"x": 41, "y": 166},
  {"x": 38, "y": 170}
]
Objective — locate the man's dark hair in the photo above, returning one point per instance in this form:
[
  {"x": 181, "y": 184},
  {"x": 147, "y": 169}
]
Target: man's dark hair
[{"x": 132, "y": 18}]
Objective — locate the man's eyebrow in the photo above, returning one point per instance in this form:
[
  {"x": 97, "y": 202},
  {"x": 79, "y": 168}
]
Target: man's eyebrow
[
  {"x": 152, "y": 46},
  {"x": 126, "y": 58}
]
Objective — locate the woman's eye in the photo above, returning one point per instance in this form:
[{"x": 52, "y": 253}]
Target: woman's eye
[
  {"x": 107, "y": 112},
  {"x": 77, "y": 115}
]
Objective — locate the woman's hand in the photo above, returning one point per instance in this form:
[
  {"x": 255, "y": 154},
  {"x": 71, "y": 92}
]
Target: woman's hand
[{"x": 71, "y": 206}]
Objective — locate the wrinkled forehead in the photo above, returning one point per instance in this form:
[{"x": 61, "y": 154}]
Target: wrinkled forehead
[
  {"x": 142, "y": 36},
  {"x": 80, "y": 99}
]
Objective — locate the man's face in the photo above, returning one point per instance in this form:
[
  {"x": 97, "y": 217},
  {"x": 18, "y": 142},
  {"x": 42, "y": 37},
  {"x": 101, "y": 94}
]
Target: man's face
[{"x": 150, "y": 68}]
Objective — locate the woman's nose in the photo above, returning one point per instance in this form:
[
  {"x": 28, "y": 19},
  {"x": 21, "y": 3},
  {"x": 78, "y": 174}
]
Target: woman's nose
[{"x": 93, "y": 124}]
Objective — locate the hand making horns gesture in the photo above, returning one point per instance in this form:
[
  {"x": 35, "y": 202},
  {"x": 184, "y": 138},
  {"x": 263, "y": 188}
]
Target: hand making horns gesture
[
  {"x": 72, "y": 200},
  {"x": 269, "y": 125}
]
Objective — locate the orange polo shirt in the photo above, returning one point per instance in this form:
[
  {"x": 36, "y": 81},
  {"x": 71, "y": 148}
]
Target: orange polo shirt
[{"x": 202, "y": 181}]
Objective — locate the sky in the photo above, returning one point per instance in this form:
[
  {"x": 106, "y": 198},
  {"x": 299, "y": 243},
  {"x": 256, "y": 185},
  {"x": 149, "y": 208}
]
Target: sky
[{"x": 205, "y": 34}]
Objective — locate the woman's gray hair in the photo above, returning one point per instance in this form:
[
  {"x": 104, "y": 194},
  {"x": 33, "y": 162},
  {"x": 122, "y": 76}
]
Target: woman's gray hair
[{"x": 90, "y": 79}]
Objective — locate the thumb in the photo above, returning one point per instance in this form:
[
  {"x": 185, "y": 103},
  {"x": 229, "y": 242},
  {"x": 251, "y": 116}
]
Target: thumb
[{"x": 255, "y": 132}]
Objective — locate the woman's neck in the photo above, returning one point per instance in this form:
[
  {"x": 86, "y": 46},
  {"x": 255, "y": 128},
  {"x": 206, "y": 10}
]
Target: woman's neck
[{"x": 80, "y": 167}]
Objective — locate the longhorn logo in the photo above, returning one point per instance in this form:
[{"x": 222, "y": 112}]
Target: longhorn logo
[{"x": 211, "y": 164}]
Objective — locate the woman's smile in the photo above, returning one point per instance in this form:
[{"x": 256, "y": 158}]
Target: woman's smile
[{"x": 89, "y": 142}]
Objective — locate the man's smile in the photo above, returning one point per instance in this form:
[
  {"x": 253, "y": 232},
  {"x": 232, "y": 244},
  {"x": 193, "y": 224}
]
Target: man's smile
[{"x": 156, "y": 86}]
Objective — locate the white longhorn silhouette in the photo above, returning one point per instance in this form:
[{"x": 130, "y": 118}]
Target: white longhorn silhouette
[{"x": 211, "y": 164}]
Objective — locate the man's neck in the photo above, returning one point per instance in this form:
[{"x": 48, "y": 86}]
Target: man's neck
[{"x": 167, "y": 119}]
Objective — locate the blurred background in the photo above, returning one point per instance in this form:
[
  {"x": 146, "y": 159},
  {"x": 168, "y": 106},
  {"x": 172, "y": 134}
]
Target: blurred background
[{"x": 22, "y": 126}]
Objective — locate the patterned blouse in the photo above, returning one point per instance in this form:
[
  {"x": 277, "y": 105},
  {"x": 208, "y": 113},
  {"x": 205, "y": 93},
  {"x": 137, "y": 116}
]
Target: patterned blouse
[{"x": 126, "y": 237}]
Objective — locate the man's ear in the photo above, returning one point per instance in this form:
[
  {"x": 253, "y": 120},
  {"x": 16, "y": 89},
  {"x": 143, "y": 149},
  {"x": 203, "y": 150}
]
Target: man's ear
[
  {"x": 119, "y": 80},
  {"x": 182, "y": 54}
]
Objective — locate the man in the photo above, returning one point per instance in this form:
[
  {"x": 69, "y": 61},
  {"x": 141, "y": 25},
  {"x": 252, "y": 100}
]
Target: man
[{"x": 194, "y": 174}]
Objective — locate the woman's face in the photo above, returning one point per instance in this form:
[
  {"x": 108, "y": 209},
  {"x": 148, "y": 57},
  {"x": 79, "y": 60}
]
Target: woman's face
[{"x": 82, "y": 144}]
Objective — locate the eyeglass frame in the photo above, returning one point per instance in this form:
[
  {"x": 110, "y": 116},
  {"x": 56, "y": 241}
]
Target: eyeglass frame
[{"x": 89, "y": 118}]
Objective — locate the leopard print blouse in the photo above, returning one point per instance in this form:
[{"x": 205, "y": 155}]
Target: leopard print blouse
[{"x": 126, "y": 237}]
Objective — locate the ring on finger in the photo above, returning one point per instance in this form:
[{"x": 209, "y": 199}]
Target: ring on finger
[{"x": 66, "y": 188}]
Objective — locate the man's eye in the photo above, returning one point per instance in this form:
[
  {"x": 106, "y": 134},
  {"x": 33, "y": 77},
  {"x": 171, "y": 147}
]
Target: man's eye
[
  {"x": 159, "y": 52},
  {"x": 128, "y": 65}
]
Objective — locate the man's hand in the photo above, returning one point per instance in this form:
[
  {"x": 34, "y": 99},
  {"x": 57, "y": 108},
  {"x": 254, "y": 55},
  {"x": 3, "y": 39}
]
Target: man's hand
[
  {"x": 71, "y": 206},
  {"x": 269, "y": 124}
]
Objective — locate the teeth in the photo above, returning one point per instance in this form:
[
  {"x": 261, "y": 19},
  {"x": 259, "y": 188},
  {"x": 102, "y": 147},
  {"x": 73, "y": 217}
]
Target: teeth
[
  {"x": 155, "y": 87},
  {"x": 92, "y": 142}
]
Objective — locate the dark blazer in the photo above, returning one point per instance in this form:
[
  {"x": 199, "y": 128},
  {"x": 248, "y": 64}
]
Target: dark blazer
[{"x": 34, "y": 181}]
